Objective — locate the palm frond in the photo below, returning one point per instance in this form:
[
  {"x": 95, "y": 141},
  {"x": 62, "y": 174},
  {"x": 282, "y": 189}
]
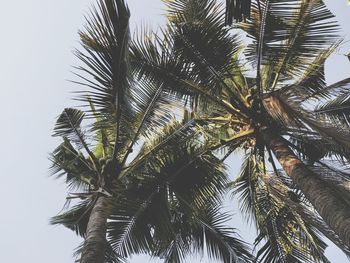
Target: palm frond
[
  {"x": 68, "y": 125},
  {"x": 75, "y": 218},
  {"x": 244, "y": 185},
  {"x": 312, "y": 148},
  {"x": 105, "y": 40},
  {"x": 79, "y": 171},
  {"x": 103, "y": 136},
  {"x": 128, "y": 230},
  {"x": 200, "y": 40},
  {"x": 312, "y": 81},
  {"x": 105, "y": 57},
  {"x": 325, "y": 128},
  {"x": 173, "y": 132},
  {"x": 238, "y": 10},
  {"x": 210, "y": 229},
  {"x": 207, "y": 48},
  {"x": 336, "y": 89},
  {"x": 289, "y": 237},
  {"x": 337, "y": 109},
  {"x": 171, "y": 185},
  {"x": 293, "y": 34},
  {"x": 153, "y": 113},
  {"x": 155, "y": 60}
]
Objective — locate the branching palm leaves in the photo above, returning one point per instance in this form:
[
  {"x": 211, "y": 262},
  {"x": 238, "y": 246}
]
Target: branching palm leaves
[
  {"x": 141, "y": 181},
  {"x": 284, "y": 217},
  {"x": 271, "y": 115}
]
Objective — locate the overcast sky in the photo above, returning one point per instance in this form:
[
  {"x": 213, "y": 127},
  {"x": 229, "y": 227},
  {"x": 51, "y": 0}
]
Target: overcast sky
[{"x": 37, "y": 37}]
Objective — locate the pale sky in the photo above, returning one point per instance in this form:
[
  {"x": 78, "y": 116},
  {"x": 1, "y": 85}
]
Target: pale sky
[{"x": 35, "y": 63}]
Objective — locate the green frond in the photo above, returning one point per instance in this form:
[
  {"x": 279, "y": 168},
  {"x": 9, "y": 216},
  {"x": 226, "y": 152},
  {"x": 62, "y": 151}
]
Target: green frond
[
  {"x": 244, "y": 186},
  {"x": 106, "y": 42},
  {"x": 79, "y": 171},
  {"x": 312, "y": 81},
  {"x": 128, "y": 229},
  {"x": 105, "y": 70},
  {"x": 173, "y": 132},
  {"x": 336, "y": 109},
  {"x": 265, "y": 199},
  {"x": 68, "y": 125},
  {"x": 238, "y": 10},
  {"x": 162, "y": 196},
  {"x": 311, "y": 147},
  {"x": 103, "y": 136},
  {"x": 291, "y": 35},
  {"x": 153, "y": 109},
  {"x": 210, "y": 229},
  {"x": 155, "y": 60},
  {"x": 200, "y": 40},
  {"x": 152, "y": 113},
  {"x": 336, "y": 89},
  {"x": 309, "y": 123},
  {"x": 75, "y": 218}
]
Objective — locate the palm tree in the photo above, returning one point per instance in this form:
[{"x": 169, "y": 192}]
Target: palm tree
[
  {"x": 262, "y": 100},
  {"x": 141, "y": 180}
]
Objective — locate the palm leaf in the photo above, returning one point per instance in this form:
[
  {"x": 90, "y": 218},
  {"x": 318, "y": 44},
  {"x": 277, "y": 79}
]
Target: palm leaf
[
  {"x": 327, "y": 129},
  {"x": 289, "y": 237},
  {"x": 173, "y": 184},
  {"x": 156, "y": 61},
  {"x": 79, "y": 171},
  {"x": 173, "y": 132},
  {"x": 105, "y": 56},
  {"x": 312, "y": 81},
  {"x": 199, "y": 39},
  {"x": 75, "y": 218},
  {"x": 209, "y": 228},
  {"x": 237, "y": 10},
  {"x": 68, "y": 126},
  {"x": 330, "y": 91},
  {"x": 105, "y": 39},
  {"x": 337, "y": 109},
  {"x": 153, "y": 113},
  {"x": 291, "y": 36}
]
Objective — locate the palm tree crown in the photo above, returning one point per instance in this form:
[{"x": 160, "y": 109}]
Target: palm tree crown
[
  {"x": 262, "y": 100},
  {"x": 142, "y": 181}
]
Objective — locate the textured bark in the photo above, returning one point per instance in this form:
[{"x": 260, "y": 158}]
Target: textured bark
[
  {"x": 332, "y": 208},
  {"x": 95, "y": 240}
]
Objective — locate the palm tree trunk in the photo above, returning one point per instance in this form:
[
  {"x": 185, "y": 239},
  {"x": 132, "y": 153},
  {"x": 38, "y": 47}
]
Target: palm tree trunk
[
  {"x": 95, "y": 240},
  {"x": 334, "y": 211}
]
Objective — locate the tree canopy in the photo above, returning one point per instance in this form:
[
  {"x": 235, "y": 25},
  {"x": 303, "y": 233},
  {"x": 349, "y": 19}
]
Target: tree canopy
[{"x": 162, "y": 112}]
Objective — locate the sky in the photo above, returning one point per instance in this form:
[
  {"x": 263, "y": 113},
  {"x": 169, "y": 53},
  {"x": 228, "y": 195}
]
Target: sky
[{"x": 35, "y": 64}]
